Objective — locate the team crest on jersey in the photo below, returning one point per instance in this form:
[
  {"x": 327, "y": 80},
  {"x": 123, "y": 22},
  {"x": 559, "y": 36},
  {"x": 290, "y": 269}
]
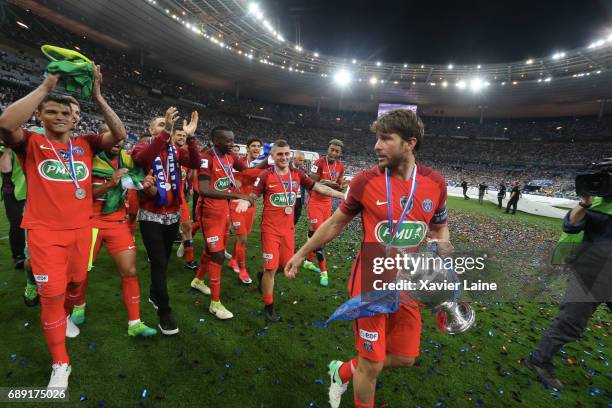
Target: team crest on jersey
[
  {"x": 314, "y": 168},
  {"x": 53, "y": 170},
  {"x": 427, "y": 205},
  {"x": 403, "y": 201},
  {"x": 78, "y": 151},
  {"x": 294, "y": 185},
  {"x": 409, "y": 235}
]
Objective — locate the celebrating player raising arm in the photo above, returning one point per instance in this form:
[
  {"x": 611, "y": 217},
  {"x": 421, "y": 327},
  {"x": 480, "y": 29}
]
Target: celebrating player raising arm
[
  {"x": 394, "y": 198},
  {"x": 57, "y": 216},
  {"x": 280, "y": 185}
]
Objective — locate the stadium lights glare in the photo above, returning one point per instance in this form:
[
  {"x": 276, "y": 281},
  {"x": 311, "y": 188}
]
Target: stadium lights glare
[
  {"x": 316, "y": 54},
  {"x": 529, "y": 61},
  {"x": 478, "y": 67},
  {"x": 476, "y": 84},
  {"x": 444, "y": 84},
  {"x": 405, "y": 65},
  {"x": 460, "y": 84},
  {"x": 253, "y": 8},
  {"x": 558, "y": 55},
  {"x": 373, "y": 80},
  {"x": 597, "y": 43},
  {"x": 450, "y": 66},
  {"x": 378, "y": 63},
  {"x": 22, "y": 25},
  {"x": 354, "y": 61},
  {"x": 548, "y": 79},
  {"x": 343, "y": 78},
  {"x": 503, "y": 83},
  {"x": 298, "y": 48}
]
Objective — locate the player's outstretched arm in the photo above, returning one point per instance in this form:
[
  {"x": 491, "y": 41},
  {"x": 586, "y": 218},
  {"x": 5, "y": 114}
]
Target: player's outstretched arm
[
  {"x": 244, "y": 205},
  {"x": 115, "y": 125},
  {"x": 441, "y": 234},
  {"x": 328, "y": 191},
  {"x": 207, "y": 191},
  {"x": 19, "y": 112},
  {"x": 329, "y": 230}
]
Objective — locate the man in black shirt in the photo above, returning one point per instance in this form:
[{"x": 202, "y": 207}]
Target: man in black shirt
[
  {"x": 515, "y": 194},
  {"x": 589, "y": 284},
  {"x": 501, "y": 194},
  {"x": 464, "y": 186},
  {"x": 482, "y": 189}
]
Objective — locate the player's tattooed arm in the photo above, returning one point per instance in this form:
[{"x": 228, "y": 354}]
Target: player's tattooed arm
[
  {"x": 329, "y": 230},
  {"x": 328, "y": 191},
  {"x": 100, "y": 189},
  {"x": 115, "y": 125},
  {"x": 20, "y": 112}
]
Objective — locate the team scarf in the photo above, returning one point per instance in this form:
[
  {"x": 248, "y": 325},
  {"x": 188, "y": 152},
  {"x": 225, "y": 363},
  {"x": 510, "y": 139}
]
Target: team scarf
[
  {"x": 102, "y": 167},
  {"x": 568, "y": 244},
  {"x": 160, "y": 176}
]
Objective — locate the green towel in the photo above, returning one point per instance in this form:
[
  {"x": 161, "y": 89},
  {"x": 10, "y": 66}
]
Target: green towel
[
  {"x": 102, "y": 167},
  {"x": 76, "y": 70},
  {"x": 569, "y": 243}
]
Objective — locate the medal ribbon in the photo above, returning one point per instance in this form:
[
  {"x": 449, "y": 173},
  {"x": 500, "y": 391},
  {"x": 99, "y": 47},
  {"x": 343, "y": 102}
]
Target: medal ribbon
[
  {"x": 72, "y": 171},
  {"x": 407, "y": 208},
  {"x": 229, "y": 175},
  {"x": 332, "y": 176}
]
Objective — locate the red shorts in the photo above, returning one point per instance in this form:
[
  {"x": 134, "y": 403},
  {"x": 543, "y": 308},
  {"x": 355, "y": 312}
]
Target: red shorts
[
  {"x": 242, "y": 222},
  {"x": 398, "y": 333},
  {"x": 115, "y": 235},
  {"x": 131, "y": 202},
  {"x": 277, "y": 249},
  {"x": 214, "y": 227},
  {"x": 317, "y": 214},
  {"x": 58, "y": 258}
]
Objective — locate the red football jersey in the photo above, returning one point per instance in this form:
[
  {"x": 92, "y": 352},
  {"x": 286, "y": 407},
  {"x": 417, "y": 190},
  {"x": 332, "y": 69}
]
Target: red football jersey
[
  {"x": 52, "y": 204},
  {"x": 218, "y": 170},
  {"x": 98, "y": 205},
  {"x": 274, "y": 219},
  {"x": 367, "y": 194},
  {"x": 326, "y": 170}
]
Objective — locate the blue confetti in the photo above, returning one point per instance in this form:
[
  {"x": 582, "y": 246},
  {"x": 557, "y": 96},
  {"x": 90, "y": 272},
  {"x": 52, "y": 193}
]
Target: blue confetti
[
  {"x": 594, "y": 391},
  {"x": 82, "y": 398},
  {"x": 258, "y": 370},
  {"x": 13, "y": 357},
  {"x": 101, "y": 403},
  {"x": 227, "y": 365},
  {"x": 202, "y": 320},
  {"x": 23, "y": 361},
  {"x": 555, "y": 396},
  {"x": 144, "y": 393},
  {"x": 319, "y": 381},
  {"x": 479, "y": 402},
  {"x": 490, "y": 333},
  {"x": 26, "y": 325},
  {"x": 312, "y": 404},
  {"x": 92, "y": 346}
]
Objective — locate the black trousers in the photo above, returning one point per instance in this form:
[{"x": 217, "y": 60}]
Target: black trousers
[
  {"x": 512, "y": 203},
  {"x": 569, "y": 325},
  {"x": 499, "y": 201},
  {"x": 158, "y": 240},
  {"x": 465, "y": 194},
  {"x": 14, "y": 213}
]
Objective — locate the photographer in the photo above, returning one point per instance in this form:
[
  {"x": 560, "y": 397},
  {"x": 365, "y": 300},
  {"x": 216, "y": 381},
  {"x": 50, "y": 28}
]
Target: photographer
[{"x": 590, "y": 281}]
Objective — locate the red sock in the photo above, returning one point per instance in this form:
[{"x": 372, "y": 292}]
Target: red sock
[
  {"x": 347, "y": 369},
  {"x": 310, "y": 256},
  {"x": 204, "y": 264},
  {"x": 240, "y": 254},
  {"x": 74, "y": 296},
  {"x": 227, "y": 236},
  {"x": 189, "y": 254},
  {"x": 359, "y": 404},
  {"x": 80, "y": 293},
  {"x": 53, "y": 322},
  {"x": 323, "y": 265},
  {"x": 268, "y": 298},
  {"x": 214, "y": 273},
  {"x": 131, "y": 296}
]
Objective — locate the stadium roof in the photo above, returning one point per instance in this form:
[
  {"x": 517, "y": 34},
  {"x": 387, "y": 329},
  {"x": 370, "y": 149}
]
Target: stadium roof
[{"x": 221, "y": 44}]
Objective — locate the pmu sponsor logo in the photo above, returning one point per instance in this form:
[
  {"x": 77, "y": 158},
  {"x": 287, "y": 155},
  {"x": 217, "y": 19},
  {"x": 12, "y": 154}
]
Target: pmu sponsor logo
[
  {"x": 367, "y": 335},
  {"x": 53, "y": 170},
  {"x": 280, "y": 200},
  {"x": 223, "y": 184},
  {"x": 409, "y": 234},
  {"x": 212, "y": 239},
  {"x": 268, "y": 256},
  {"x": 41, "y": 278}
]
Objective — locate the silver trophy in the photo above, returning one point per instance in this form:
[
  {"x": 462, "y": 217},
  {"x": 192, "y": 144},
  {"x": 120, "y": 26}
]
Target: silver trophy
[{"x": 427, "y": 281}]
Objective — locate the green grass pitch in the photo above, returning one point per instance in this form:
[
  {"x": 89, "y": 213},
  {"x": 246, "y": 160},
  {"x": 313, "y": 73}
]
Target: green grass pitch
[{"x": 244, "y": 363}]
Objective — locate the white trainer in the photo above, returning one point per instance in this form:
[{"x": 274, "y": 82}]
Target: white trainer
[
  {"x": 180, "y": 251},
  {"x": 199, "y": 284},
  {"x": 59, "y": 376},
  {"x": 220, "y": 311},
  {"x": 336, "y": 388},
  {"x": 228, "y": 256},
  {"x": 72, "y": 330}
]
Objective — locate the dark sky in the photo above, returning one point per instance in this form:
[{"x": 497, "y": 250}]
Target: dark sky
[{"x": 460, "y": 31}]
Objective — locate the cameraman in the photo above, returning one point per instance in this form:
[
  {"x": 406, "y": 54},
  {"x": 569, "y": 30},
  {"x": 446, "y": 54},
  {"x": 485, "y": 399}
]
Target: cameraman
[{"x": 590, "y": 283}]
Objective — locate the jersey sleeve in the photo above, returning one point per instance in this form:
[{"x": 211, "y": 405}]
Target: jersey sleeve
[
  {"x": 441, "y": 214},
  {"x": 239, "y": 164},
  {"x": 20, "y": 148},
  {"x": 94, "y": 140},
  {"x": 205, "y": 169},
  {"x": 260, "y": 182},
  {"x": 353, "y": 204},
  {"x": 305, "y": 180}
]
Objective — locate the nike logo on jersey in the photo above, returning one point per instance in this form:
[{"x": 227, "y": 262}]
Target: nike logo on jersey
[
  {"x": 381, "y": 202},
  {"x": 132, "y": 247},
  {"x": 43, "y": 147}
]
